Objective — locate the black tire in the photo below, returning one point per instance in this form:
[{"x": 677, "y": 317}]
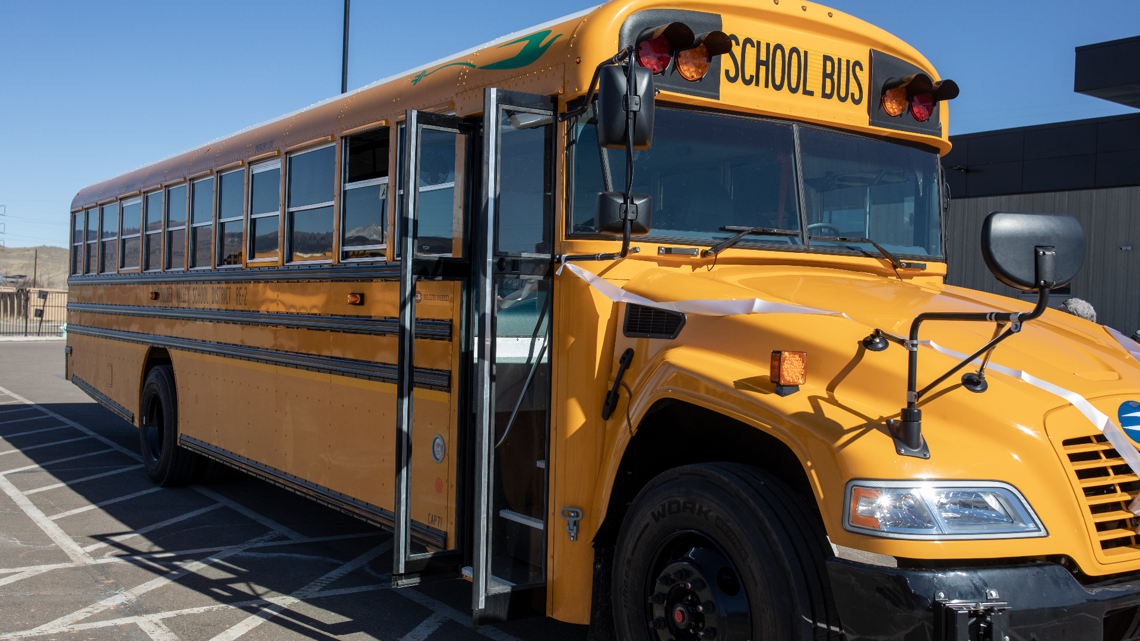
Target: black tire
[
  {"x": 166, "y": 463},
  {"x": 727, "y": 534}
]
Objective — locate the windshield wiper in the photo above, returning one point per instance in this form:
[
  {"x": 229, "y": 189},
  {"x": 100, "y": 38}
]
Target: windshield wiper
[
  {"x": 895, "y": 262},
  {"x": 744, "y": 231}
]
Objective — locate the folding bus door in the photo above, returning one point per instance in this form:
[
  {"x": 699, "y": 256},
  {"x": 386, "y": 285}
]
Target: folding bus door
[
  {"x": 434, "y": 180},
  {"x": 512, "y": 290}
]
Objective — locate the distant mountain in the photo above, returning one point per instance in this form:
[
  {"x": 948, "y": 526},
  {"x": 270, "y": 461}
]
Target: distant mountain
[
  {"x": 369, "y": 235},
  {"x": 50, "y": 269}
]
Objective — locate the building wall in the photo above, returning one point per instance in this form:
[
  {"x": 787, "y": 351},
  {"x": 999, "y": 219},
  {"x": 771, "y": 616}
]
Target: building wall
[{"x": 1110, "y": 278}]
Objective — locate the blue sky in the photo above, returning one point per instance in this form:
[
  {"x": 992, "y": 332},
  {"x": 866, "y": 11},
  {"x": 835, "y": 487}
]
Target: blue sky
[{"x": 89, "y": 90}]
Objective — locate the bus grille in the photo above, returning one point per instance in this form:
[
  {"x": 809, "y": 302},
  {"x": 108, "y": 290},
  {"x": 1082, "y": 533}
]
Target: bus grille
[
  {"x": 1107, "y": 486},
  {"x": 649, "y": 322}
]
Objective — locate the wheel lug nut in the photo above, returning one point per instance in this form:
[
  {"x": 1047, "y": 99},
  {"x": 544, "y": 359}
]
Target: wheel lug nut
[
  {"x": 664, "y": 579},
  {"x": 658, "y": 623},
  {"x": 707, "y": 606},
  {"x": 695, "y": 584},
  {"x": 707, "y": 634},
  {"x": 657, "y": 598}
]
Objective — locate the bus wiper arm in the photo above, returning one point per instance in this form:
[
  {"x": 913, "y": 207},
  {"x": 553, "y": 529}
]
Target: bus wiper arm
[
  {"x": 744, "y": 231},
  {"x": 896, "y": 263}
]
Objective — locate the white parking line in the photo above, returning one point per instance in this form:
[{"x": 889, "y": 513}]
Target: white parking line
[
  {"x": 248, "y": 513},
  {"x": 23, "y": 420},
  {"x": 53, "y": 462},
  {"x": 46, "y": 429},
  {"x": 280, "y": 603},
  {"x": 57, "y": 535},
  {"x": 95, "y": 506},
  {"x": 36, "y": 447},
  {"x": 81, "y": 480}
]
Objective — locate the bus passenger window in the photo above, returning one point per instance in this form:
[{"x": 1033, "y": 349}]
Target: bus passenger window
[
  {"x": 176, "y": 228},
  {"x": 438, "y": 205},
  {"x": 230, "y": 221},
  {"x": 109, "y": 234},
  {"x": 77, "y": 243},
  {"x": 524, "y": 183},
  {"x": 201, "y": 222},
  {"x": 264, "y": 211},
  {"x": 364, "y": 202},
  {"x": 309, "y": 219},
  {"x": 152, "y": 241},
  {"x": 131, "y": 235},
  {"x": 92, "y": 240}
]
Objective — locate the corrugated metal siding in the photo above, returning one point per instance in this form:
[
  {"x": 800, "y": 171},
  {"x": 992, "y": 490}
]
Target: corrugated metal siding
[{"x": 1110, "y": 278}]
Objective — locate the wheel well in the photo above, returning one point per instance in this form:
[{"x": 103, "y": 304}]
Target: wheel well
[
  {"x": 154, "y": 357},
  {"x": 675, "y": 433}
]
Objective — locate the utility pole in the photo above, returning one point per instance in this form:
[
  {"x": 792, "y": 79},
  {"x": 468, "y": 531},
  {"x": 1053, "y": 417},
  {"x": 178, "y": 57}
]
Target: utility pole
[
  {"x": 35, "y": 266},
  {"x": 344, "y": 58},
  {"x": 4, "y": 212}
]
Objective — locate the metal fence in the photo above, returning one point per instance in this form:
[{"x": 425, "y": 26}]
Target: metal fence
[{"x": 32, "y": 312}]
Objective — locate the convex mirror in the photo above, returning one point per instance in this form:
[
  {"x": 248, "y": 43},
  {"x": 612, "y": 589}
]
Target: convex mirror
[
  {"x": 1032, "y": 251},
  {"x": 608, "y": 218},
  {"x": 611, "y": 108}
]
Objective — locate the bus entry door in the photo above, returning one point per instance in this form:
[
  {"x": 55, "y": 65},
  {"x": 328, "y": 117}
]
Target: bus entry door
[
  {"x": 433, "y": 197},
  {"x": 512, "y": 289}
]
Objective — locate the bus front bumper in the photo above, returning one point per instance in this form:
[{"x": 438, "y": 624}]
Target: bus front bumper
[{"x": 1041, "y": 602}]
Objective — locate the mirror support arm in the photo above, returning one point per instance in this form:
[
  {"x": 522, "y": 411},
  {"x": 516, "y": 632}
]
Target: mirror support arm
[
  {"x": 588, "y": 99},
  {"x": 909, "y": 430}
]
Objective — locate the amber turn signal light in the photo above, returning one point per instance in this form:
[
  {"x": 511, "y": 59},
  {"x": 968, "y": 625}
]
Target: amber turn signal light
[
  {"x": 789, "y": 371},
  {"x": 356, "y": 299},
  {"x": 154, "y": 295}
]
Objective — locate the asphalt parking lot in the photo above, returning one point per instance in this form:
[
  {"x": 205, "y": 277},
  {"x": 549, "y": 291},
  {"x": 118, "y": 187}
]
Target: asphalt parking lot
[{"x": 90, "y": 549}]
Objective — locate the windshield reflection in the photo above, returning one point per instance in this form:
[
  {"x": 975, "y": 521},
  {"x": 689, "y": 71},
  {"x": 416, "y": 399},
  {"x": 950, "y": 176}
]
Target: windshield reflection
[
  {"x": 712, "y": 176},
  {"x": 704, "y": 173}
]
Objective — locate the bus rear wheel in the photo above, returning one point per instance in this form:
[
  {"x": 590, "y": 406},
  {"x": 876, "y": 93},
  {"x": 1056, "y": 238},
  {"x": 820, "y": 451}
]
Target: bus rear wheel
[
  {"x": 721, "y": 552},
  {"x": 166, "y": 463}
]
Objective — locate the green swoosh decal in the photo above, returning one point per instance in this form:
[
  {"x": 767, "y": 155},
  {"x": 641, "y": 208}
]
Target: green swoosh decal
[
  {"x": 531, "y": 51},
  {"x": 425, "y": 73}
]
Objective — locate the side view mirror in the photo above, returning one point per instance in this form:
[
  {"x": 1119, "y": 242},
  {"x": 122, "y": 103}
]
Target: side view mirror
[
  {"x": 614, "y": 100},
  {"x": 610, "y": 214},
  {"x": 1031, "y": 252}
]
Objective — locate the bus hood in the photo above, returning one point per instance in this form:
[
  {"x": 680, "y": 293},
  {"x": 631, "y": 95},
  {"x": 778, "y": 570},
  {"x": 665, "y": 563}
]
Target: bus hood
[{"x": 1067, "y": 351}]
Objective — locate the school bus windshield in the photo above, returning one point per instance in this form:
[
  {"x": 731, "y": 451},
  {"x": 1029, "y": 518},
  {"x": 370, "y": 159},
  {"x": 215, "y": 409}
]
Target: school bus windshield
[{"x": 709, "y": 172}]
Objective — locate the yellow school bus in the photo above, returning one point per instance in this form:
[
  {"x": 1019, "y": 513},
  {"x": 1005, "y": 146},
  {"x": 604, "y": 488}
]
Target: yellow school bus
[{"x": 637, "y": 318}]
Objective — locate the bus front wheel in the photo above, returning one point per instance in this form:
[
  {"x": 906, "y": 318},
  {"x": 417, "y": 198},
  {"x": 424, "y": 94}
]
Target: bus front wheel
[
  {"x": 166, "y": 463},
  {"x": 722, "y": 552}
]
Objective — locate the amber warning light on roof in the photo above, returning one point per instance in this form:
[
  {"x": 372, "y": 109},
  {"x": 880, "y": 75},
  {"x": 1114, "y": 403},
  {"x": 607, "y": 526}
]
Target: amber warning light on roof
[
  {"x": 917, "y": 92},
  {"x": 675, "y": 43}
]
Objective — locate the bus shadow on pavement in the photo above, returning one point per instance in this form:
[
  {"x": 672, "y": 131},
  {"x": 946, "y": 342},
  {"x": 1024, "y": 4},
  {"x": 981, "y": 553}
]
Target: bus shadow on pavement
[{"x": 205, "y": 557}]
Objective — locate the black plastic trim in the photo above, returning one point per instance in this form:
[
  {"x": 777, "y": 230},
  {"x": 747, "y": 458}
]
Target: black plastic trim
[
  {"x": 375, "y": 515},
  {"x": 1046, "y": 602},
  {"x": 104, "y": 400},
  {"x": 631, "y": 307},
  {"x": 435, "y": 329},
  {"x": 423, "y": 378},
  {"x": 330, "y": 273}
]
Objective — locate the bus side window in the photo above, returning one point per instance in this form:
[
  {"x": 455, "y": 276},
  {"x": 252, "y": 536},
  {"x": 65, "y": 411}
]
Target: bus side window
[
  {"x": 77, "y": 243},
  {"x": 92, "y": 241},
  {"x": 231, "y": 223},
  {"x": 364, "y": 203},
  {"x": 264, "y": 211},
  {"x": 131, "y": 235},
  {"x": 109, "y": 235},
  {"x": 309, "y": 202},
  {"x": 201, "y": 223},
  {"x": 152, "y": 227},
  {"x": 176, "y": 228}
]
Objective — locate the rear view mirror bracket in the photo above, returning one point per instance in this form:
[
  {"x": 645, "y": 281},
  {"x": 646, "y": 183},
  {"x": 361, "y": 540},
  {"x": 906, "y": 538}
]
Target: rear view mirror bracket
[{"x": 1031, "y": 252}]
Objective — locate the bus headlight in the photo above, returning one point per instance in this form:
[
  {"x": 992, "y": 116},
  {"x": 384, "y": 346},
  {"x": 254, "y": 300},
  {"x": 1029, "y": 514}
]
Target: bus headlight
[{"x": 939, "y": 510}]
